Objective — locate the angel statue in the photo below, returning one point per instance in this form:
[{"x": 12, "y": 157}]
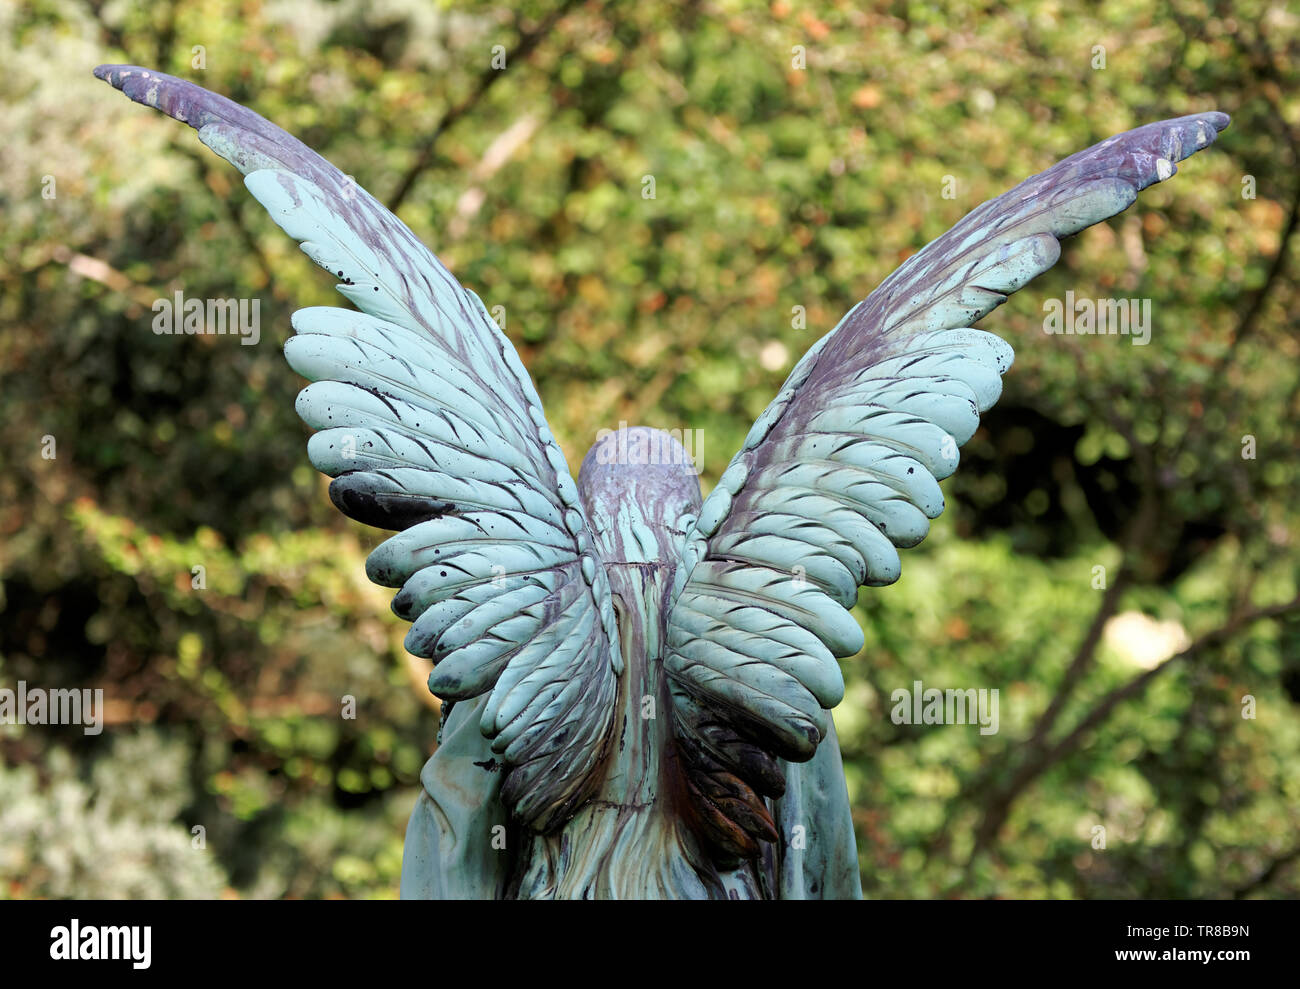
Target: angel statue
[{"x": 637, "y": 683}]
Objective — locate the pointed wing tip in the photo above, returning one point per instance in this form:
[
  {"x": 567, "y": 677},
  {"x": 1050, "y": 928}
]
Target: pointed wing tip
[
  {"x": 178, "y": 98},
  {"x": 245, "y": 139},
  {"x": 1181, "y": 138},
  {"x": 113, "y": 74},
  {"x": 1175, "y": 140},
  {"x": 1193, "y": 126},
  {"x": 131, "y": 80}
]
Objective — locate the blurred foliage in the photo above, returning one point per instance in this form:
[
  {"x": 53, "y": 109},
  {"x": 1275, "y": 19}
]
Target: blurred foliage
[{"x": 775, "y": 187}]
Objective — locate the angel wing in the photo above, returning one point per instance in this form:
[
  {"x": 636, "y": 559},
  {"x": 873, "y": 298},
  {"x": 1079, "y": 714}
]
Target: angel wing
[
  {"x": 843, "y": 467},
  {"x": 430, "y": 425}
]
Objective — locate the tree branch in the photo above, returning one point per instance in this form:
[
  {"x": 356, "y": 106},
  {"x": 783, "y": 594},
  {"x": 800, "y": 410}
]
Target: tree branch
[
  {"x": 1267, "y": 876},
  {"x": 1275, "y": 275},
  {"x": 1037, "y": 764},
  {"x": 528, "y": 40},
  {"x": 1000, "y": 799}
]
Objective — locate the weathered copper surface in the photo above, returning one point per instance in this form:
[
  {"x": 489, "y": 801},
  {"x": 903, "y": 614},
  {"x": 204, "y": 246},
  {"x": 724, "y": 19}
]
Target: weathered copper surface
[{"x": 638, "y": 683}]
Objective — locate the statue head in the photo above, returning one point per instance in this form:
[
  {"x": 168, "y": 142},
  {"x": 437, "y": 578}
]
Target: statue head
[{"x": 637, "y": 484}]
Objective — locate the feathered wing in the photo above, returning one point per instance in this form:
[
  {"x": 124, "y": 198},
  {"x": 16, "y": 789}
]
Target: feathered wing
[
  {"x": 430, "y": 425},
  {"x": 843, "y": 468}
]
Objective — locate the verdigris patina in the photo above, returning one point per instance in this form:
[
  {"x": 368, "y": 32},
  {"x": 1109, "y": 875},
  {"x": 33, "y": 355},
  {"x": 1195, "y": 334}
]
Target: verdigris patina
[{"x": 637, "y": 683}]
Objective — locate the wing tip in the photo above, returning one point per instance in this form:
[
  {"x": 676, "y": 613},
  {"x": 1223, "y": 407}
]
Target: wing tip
[
  {"x": 1219, "y": 119},
  {"x": 115, "y": 75},
  {"x": 142, "y": 85},
  {"x": 1179, "y": 139},
  {"x": 1194, "y": 127},
  {"x": 178, "y": 98}
]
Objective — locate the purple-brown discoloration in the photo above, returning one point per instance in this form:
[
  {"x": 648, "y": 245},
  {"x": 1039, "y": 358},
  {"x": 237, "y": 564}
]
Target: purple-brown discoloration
[
  {"x": 638, "y": 475},
  {"x": 1134, "y": 158}
]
